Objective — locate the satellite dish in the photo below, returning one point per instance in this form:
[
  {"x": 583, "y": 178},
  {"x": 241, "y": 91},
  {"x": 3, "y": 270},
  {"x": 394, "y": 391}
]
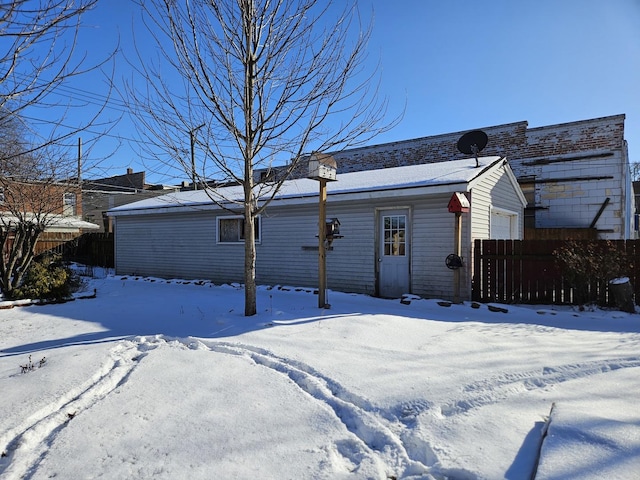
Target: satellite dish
[{"x": 472, "y": 143}]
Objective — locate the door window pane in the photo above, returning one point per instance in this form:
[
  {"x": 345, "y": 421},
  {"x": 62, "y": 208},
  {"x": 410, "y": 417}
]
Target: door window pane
[{"x": 394, "y": 235}]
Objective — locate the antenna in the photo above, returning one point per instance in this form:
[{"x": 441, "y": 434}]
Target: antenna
[{"x": 472, "y": 143}]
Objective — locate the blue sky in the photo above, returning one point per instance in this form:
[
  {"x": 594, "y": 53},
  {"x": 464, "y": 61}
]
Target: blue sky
[{"x": 454, "y": 65}]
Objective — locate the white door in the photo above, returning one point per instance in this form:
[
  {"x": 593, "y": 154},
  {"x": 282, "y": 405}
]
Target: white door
[
  {"x": 502, "y": 224},
  {"x": 393, "y": 254}
]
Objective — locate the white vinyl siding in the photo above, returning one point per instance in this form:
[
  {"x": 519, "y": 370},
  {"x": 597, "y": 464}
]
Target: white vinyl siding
[
  {"x": 169, "y": 246},
  {"x": 289, "y": 250},
  {"x": 494, "y": 191},
  {"x": 433, "y": 239},
  {"x": 184, "y": 244}
]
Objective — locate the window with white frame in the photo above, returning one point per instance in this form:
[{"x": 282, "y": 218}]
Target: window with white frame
[
  {"x": 69, "y": 204},
  {"x": 394, "y": 234},
  {"x": 231, "y": 229}
]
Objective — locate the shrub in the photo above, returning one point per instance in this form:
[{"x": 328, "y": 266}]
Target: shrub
[
  {"x": 48, "y": 279},
  {"x": 589, "y": 265}
]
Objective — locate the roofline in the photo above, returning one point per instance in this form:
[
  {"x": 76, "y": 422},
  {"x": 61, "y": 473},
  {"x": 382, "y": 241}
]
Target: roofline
[
  {"x": 306, "y": 198},
  {"x": 608, "y": 118},
  {"x": 501, "y": 163},
  {"x": 502, "y": 126}
]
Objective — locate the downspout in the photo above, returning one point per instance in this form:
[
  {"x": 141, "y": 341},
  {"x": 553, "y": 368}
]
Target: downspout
[{"x": 629, "y": 195}]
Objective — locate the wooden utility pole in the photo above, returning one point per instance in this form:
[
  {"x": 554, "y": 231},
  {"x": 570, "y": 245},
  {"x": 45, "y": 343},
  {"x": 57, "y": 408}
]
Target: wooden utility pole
[
  {"x": 192, "y": 138},
  {"x": 79, "y": 160}
]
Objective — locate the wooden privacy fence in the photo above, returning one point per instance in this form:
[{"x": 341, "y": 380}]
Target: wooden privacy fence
[
  {"x": 526, "y": 271},
  {"x": 95, "y": 249},
  {"x": 50, "y": 241}
]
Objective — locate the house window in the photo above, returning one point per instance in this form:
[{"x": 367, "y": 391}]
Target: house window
[
  {"x": 69, "y": 204},
  {"x": 231, "y": 229},
  {"x": 395, "y": 235}
]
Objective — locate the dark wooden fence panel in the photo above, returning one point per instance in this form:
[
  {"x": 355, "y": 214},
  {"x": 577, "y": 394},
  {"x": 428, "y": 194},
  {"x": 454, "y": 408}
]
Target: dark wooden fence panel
[
  {"x": 526, "y": 271},
  {"x": 95, "y": 249}
]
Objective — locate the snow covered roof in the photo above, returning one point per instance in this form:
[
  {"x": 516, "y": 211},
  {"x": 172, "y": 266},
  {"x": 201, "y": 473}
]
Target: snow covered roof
[
  {"x": 67, "y": 222},
  {"x": 55, "y": 222},
  {"x": 434, "y": 177}
]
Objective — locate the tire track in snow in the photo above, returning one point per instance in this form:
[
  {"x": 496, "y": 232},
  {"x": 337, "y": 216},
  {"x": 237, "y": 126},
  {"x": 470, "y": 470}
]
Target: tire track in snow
[
  {"x": 500, "y": 387},
  {"x": 24, "y": 446},
  {"x": 376, "y": 442}
]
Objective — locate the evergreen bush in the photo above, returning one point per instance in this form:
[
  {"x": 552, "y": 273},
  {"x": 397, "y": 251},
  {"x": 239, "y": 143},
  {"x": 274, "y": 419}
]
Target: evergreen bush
[{"x": 48, "y": 279}]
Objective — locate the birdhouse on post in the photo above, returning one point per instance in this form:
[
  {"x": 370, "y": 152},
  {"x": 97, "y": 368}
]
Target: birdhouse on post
[
  {"x": 459, "y": 203},
  {"x": 322, "y": 167}
]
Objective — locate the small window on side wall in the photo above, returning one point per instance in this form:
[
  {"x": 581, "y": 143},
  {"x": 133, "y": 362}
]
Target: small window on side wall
[
  {"x": 231, "y": 229},
  {"x": 69, "y": 204}
]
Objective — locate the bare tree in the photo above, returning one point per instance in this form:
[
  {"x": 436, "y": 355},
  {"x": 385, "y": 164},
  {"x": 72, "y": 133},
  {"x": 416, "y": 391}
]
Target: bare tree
[
  {"x": 635, "y": 171},
  {"x": 33, "y": 189},
  {"x": 38, "y": 55},
  {"x": 255, "y": 83}
]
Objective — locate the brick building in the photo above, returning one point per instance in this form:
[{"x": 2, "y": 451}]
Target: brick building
[
  {"x": 575, "y": 175},
  {"x": 99, "y": 195},
  {"x": 56, "y": 207}
]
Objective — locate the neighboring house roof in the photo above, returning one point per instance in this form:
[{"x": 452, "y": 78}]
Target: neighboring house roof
[
  {"x": 67, "y": 222},
  {"x": 57, "y": 222},
  {"x": 432, "y": 178},
  {"x": 130, "y": 182}
]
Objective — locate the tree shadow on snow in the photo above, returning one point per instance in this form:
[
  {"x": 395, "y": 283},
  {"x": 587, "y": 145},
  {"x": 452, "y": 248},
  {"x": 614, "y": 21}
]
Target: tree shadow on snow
[
  {"x": 126, "y": 307},
  {"x": 176, "y": 309}
]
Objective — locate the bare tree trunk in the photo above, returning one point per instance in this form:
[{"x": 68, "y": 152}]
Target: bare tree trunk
[
  {"x": 270, "y": 81},
  {"x": 19, "y": 257},
  {"x": 38, "y": 55},
  {"x": 250, "y": 301},
  {"x": 248, "y": 19}
]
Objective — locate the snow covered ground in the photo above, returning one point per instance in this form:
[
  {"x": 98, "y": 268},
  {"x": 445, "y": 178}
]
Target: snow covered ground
[{"x": 168, "y": 379}]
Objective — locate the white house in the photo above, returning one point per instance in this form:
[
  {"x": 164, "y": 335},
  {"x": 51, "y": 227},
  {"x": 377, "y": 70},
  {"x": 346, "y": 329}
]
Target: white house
[{"x": 395, "y": 225}]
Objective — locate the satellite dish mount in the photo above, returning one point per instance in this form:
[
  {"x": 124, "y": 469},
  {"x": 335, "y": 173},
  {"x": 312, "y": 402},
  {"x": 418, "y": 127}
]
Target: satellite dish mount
[{"x": 472, "y": 143}]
